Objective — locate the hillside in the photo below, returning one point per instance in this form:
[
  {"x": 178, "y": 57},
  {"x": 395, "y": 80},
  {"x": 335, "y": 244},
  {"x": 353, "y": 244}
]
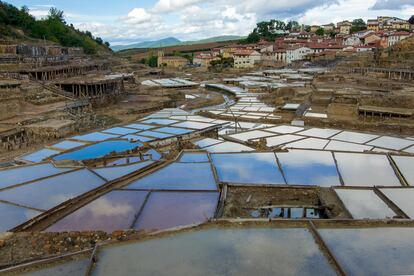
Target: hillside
[
  {"x": 169, "y": 41},
  {"x": 214, "y": 39},
  {"x": 172, "y": 41},
  {"x": 401, "y": 55},
  {"x": 18, "y": 25},
  {"x": 138, "y": 54}
]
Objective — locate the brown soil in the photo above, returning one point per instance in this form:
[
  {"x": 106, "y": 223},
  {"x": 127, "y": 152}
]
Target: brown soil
[
  {"x": 241, "y": 201},
  {"x": 24, "y": 247}
]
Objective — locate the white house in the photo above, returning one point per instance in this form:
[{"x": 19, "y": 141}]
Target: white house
[
  {"x": 297, "y": 53},
  {"x": 246, "y": 58},
  {"x": 361, "y": 34},
  {"x": 352, "y": 41},
  {"x": 396, "y": 37}
]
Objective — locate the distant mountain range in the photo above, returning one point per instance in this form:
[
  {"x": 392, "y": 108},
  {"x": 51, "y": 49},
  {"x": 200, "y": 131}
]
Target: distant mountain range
[{"x": 172, "y": 41}]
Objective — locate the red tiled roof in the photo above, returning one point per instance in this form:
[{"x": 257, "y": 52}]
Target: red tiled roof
[
  {"x": 368, "y": 35},
  {"x": 400, "y": 34}
]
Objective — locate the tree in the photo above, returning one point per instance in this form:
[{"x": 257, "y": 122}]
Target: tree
[
  {"x": 53, "y": 28},
  {"x": 253, "y": 37},
  {"x": 152, "y": 61},
  {"x": 220, "y": 64},
  {"x": 292, "y": 25},
  {"x": 55, "y": 14},
  {"x": 99, "y": 40},
  {"x": 267, "y": 30},
  {"x": 358, "y": 25},
  {"x": 411, "y": 20},
  {"x": 320, "y": 32}
]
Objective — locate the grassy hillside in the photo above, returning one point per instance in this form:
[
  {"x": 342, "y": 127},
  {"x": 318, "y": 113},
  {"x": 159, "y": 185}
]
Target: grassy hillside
[
  {"x": 172, "y": 41},
  {"x": 214, "y": 39},
  {"x": 140, "y": 53},
  {"x": 18, "y": 24}
]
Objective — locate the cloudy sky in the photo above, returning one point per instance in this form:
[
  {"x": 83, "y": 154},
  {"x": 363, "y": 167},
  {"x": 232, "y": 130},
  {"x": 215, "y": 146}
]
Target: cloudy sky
[{"x": 128, "y": 21}]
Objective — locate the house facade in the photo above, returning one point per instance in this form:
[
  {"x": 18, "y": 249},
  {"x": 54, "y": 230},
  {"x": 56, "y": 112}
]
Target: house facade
[
  {"x": 373, "y": 25},
  {"x": 344, "y": 27},
  {"x": 352, "y": 41},
  {"x": 314, "y": 28},
  {"x": 329, "y": 27},
  {"x": 396, "y": 37},
  {"x": 204, "y": 59},
  {"x": 246, "y": 59},
  {"x": 297, "y": 53},
  {"x": 171, "y": 61}
]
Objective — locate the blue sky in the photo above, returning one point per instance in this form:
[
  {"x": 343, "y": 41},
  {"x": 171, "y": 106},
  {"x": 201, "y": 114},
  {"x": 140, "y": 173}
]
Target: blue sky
[{"x": 127, "y": 21}]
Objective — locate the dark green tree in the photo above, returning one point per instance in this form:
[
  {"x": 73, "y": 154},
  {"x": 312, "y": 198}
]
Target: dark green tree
[
  {"x": 267, "y": 30},
  {"x": 411, "y": 20},
  {"x": 222, "y": 63},
  {"x": 55, "y": 14},
  {"x": 52, "y": 28},
  {"x": 292, "y": 25},
  {"x": 152, "y": 61},
  {"x": 358, "y": 25},
  {"x": 320, "y": 31},
  {"x": 99, "y": 40},
  {"x": 253, "y": 37}
]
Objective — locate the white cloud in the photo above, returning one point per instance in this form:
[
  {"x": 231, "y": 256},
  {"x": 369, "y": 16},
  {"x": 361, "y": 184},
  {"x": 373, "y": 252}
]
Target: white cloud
[
  {"x": 348, "y": 10},
  {"x": 165, "y": 6},
  {"x": 392, "y": 5},
  {"x": 40, "y": 11},
  {"x": 137, "y": 16}
]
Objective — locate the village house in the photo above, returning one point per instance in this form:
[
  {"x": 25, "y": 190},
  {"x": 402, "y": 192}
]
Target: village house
[
  {"x": 329, "y": 27},
  {"x": 344, "y": 27},
  {"x": 216, "y": 52},
  {"x": 229, "y": 51},
  {"x": 382, "y": 19},
  {"x": 373, "y": 25},
  {"x": 246, "y": 58},
  {"x": 387, "y": 23},
  {"x": 396, "y": 37},
  {"x": 352, "y": 40},
  {"x": 317, "y": 47},
  {"x": 314, "y": 28},
  {"x": 277, "y": 56},
  {"x": 322, "y": 47},
  {"x": 396, "y": 24},
  {"x": 263, "y": 48},
  {"x": 204, "y": 59},
  {"x": 171, "y": 61},
  {"x": 297, "y": 53},
  {"x": 370, "y": 38}
]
